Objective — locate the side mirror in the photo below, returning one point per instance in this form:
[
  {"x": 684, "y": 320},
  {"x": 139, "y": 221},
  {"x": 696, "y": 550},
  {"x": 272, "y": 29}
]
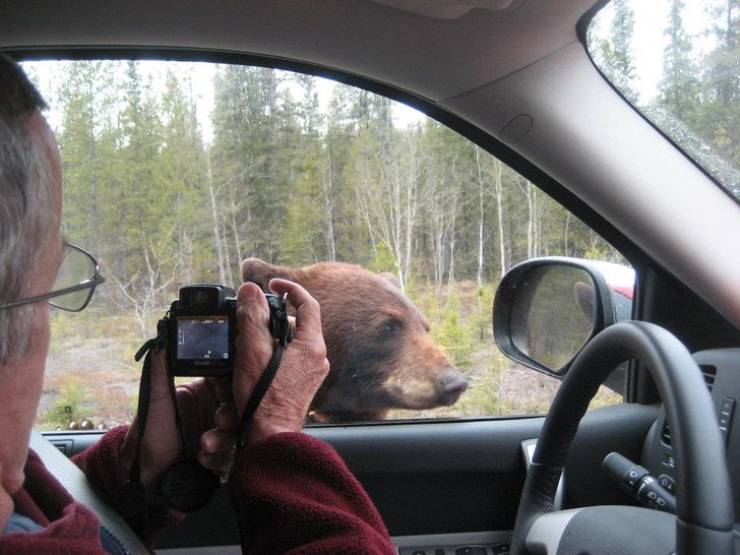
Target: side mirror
[{"x": 547, "y": 309}]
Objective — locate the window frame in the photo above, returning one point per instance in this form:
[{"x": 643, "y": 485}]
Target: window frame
[
  {"x": 582, "y": 33},
  {"x": 544, "y": 182}
]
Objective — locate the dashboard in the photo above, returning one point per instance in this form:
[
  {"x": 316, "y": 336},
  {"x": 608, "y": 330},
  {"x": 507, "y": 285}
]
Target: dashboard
[{"x": 721, "y": 371}]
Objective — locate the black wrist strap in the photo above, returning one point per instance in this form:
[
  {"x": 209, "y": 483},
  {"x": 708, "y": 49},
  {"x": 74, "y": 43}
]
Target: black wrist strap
[
  {"x": 263, "y": 384},
  {"x": 282, "y": 334},
  {"x": 187, "y": 486},
  {"x": 145, "y": 386}
]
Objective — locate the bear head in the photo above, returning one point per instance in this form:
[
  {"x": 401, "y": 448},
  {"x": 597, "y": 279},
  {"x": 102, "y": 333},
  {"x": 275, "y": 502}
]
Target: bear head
[{"x": 378, "y": 344}]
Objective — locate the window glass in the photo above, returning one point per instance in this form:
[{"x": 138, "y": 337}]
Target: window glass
[
  {"x": 678, "y": 63},
  {"x": 175, "y": 172}
]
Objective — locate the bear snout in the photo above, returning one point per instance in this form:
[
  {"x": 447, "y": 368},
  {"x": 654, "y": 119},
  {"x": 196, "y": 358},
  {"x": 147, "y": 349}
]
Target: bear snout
[{"x": 450, "y": 386}]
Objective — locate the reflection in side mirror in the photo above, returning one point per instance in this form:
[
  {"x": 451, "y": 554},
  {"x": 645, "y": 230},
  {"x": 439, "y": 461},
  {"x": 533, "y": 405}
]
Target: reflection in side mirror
[
  {"x": 547, "y": 309},
  {"x": 553, "y": 314}
]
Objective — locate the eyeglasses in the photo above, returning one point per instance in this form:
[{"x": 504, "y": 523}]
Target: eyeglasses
[{"x": 75, "y": 283}]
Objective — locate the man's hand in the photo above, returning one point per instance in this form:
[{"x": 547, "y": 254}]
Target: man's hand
[
  {"x": 210, "y": 408},
  {"x": 302, "y": 369},
  {"x": 202, "y": 405}
]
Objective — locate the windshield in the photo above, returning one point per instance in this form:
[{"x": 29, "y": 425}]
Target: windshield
[{"x": 678, "y": 63}]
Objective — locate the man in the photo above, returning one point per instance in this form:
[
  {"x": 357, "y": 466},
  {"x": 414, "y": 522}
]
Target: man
[{"x": 281, "y": 473}]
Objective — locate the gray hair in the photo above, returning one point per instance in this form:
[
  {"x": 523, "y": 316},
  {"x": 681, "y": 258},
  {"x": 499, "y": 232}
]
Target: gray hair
[{"x": 25, "y": 205}]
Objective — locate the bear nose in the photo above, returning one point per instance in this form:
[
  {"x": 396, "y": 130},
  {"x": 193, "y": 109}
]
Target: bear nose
[{"x": 450, "y": 386}]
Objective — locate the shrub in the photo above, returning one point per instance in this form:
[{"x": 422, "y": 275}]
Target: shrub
[{"x": 68, "y": 406}]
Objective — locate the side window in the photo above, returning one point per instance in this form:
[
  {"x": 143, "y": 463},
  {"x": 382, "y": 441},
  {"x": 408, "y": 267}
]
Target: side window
[{"x": 174, "y": 173}]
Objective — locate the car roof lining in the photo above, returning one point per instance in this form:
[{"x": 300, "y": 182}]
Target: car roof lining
[{"x": 438, "y": 58}]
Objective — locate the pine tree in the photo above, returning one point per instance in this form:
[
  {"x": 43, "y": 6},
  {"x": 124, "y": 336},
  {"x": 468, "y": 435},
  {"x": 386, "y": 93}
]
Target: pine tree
[
  {"x": 614, "y": 55},
  {"x": 679, "y": 86},
  {"x": 285, "y": 181},
  {"x": 183, "y": 167},
  {"x": 720, "y": 121},
  {"x": 78, "y": 143},
  {"x": 307, "y": 234}
]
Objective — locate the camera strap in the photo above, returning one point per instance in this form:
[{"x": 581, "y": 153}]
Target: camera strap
[
  {"x": 263, "y": 384},
  {"x": 145, "y": 386},
  {"x": 283, "y": 335},
  {"x": 187, "y": 485}
]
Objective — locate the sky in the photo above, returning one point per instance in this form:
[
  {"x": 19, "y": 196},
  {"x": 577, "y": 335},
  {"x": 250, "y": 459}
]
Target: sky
[
  {"x": 651, "y": 18},
  {"x": 48, "y": 75}
]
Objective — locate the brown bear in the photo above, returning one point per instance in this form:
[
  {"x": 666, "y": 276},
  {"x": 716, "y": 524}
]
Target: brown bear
[{"x": 377, "y": 342}]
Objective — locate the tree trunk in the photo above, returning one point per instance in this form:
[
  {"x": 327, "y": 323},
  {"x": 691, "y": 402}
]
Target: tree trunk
[
  {"x": 235, "y": 229},
  {"x": 216, "y": 229},
  {"x": 479, "y": 273},
  {"x": 531, "y": 219},
  {"x": 499, "y": 192},
  {"x": 536, "y": 221},
  {"x": 452, "y": 238},
  {"x": 412, "y": 204},
  {"x": 328, "y": 190}
]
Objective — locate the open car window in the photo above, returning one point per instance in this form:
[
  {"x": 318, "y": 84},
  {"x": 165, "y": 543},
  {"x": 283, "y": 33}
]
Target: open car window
[
  {"x": 678, "y": 63},
  {"x": 175, "y": 172}
]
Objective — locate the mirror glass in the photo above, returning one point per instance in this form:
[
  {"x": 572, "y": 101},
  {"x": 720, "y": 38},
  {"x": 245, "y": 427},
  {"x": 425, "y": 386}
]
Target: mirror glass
[{"x": 553, "y": 314}]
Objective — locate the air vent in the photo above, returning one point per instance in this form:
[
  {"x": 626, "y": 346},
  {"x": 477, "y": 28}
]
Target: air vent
[
  {"x": 709, "y": 373},
  {"x": 665, "y": 435}
]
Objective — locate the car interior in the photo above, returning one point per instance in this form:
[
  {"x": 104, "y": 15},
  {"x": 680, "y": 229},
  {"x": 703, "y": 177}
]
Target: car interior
[{"x": 516, "y": 78}]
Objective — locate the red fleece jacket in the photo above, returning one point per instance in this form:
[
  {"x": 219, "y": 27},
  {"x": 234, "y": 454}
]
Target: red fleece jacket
[{"x": 294, "y": 495}]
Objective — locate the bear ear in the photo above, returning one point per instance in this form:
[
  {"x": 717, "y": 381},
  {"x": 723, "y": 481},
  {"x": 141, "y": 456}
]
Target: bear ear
[
  {"x": 392, "y": 279},
  {"x": 260, "y": 272}
]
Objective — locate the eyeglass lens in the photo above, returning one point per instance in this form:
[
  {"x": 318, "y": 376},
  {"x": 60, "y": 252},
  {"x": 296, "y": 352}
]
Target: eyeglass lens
[{"x": 77, "y": 267}]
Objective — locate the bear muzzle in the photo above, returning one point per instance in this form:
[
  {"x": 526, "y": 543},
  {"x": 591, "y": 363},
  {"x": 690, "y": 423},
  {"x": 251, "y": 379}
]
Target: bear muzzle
[
  {"x": 450, "y": 385},
  {"x": 438, "y": 387}
]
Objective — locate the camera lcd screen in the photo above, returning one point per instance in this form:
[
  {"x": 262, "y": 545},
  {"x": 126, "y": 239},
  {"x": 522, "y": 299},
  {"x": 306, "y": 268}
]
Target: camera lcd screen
[{"x": 203, "y": 338}]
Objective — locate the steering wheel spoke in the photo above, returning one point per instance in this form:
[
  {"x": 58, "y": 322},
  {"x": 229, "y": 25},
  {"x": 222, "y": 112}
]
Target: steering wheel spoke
[
  {"x": 543, "y": 537},
  {"x": 602, "y": 530},
  {"x": 705, "y": 515}
]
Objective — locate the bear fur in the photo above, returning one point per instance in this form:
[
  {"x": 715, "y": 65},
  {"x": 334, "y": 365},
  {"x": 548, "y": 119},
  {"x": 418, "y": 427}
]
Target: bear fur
[{"x": 378, "y": 344}]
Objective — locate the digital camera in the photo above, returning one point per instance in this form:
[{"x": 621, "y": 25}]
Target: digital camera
[{"x": 201, "y": 329}]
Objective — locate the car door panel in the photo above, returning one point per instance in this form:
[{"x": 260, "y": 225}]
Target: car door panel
[{"x": 450, "y": 477}]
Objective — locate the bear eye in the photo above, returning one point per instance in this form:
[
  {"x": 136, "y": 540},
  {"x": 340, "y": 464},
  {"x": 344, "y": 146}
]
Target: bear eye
[{"x": 390, "y": 327}]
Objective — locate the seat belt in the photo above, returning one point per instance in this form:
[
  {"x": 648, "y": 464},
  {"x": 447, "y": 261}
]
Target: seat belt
[{"x": 76, "y": 483}]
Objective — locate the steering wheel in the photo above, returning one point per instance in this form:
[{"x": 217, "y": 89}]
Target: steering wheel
[{"x": 705, "y": 519}]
